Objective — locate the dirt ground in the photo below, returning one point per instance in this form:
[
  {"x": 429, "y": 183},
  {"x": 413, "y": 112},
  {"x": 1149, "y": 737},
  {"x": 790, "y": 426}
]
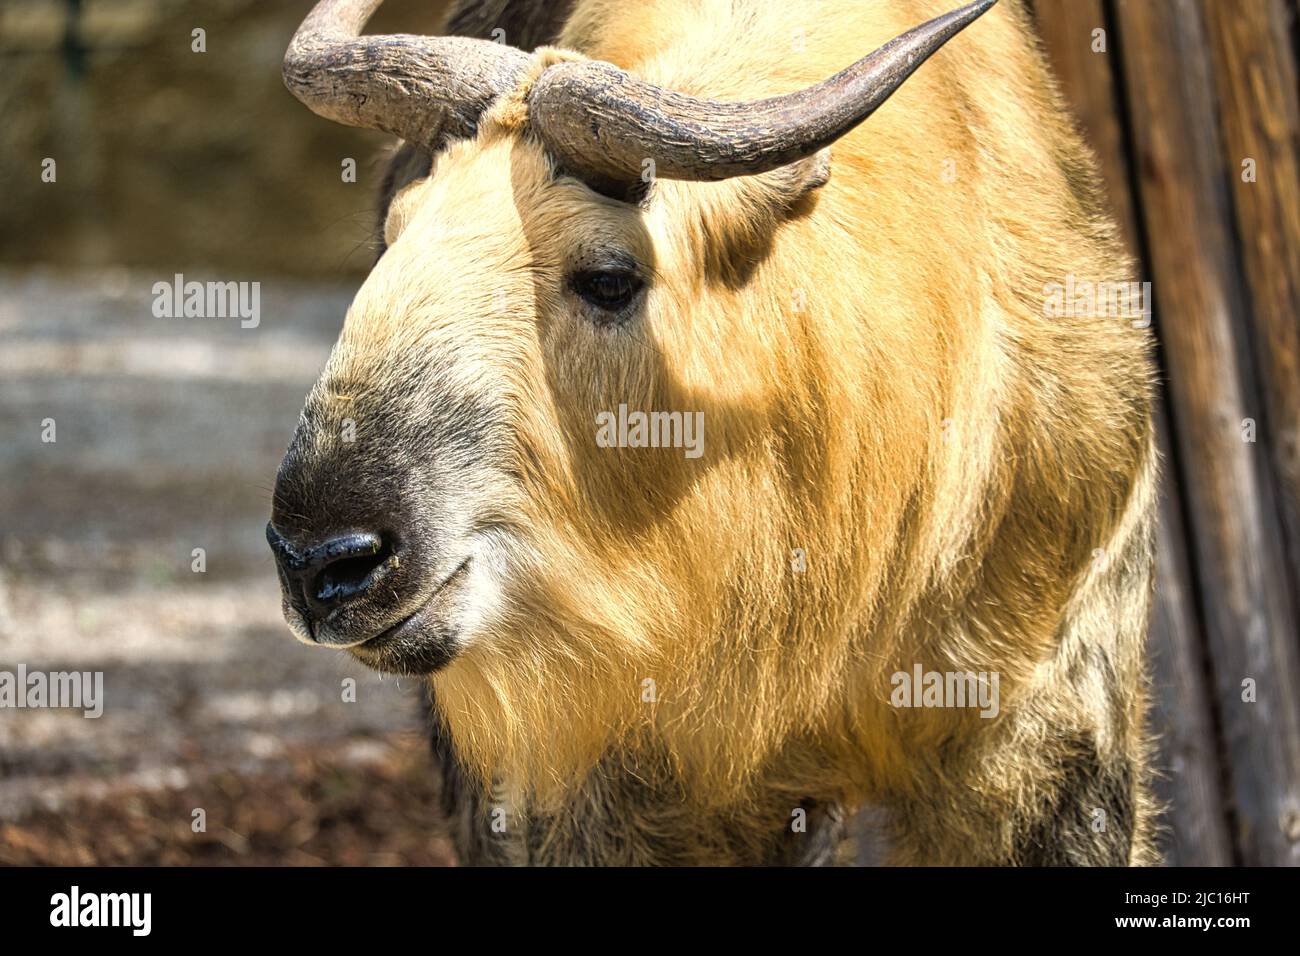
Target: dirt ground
[
  {"x": 167, "y": 436},
  {"x": 370, "y": 803}
]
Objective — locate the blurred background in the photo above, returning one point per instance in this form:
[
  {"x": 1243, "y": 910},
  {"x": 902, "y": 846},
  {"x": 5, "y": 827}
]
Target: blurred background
[
  {"x": 167, "y": 160},
  {"x": 169, "y": 433}
]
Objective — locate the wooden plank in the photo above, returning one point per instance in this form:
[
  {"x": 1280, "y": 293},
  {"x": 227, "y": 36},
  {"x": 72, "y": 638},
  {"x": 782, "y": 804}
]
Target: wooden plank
[
  {"x": 1189, "y": 785},
  {"x": 1195, "y": 831},
  {"x": 1256, "y": 79},
  {"x": 1249, "y": 621}
]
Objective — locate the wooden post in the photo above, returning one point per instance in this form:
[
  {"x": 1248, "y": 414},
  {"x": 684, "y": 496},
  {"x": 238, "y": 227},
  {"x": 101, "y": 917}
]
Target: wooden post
[
  {"x": 1195, "y": 823},
  {"x": 1249, "y": 621},
  {"x": 1189, "y": 785},
  {"x": 1256, "y": 79}
]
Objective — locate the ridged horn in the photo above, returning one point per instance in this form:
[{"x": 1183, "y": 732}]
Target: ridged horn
[{"x": 603, "y": 123}]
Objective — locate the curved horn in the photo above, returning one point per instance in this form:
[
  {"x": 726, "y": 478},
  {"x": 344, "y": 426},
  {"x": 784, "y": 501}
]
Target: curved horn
[
  {"x": 418, "y": 88},
  {"x": 604, "y": 123}
]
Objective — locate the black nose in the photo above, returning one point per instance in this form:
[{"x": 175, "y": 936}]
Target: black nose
[{"x": 326, "y": 575}]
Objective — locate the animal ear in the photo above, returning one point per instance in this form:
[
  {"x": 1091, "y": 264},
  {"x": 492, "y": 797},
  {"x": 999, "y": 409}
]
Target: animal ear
[
  {"x": 795, "y": 180},
  {"x": 740, "y": 216},
  {"x": 407, "y": 164},
  {"x": 805, "y": 175}
]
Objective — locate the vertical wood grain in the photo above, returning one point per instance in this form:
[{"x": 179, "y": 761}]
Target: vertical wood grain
[
  {"x": 1256, "y": 79},
  {"x": 1195, "y": 828},
  {"x": 1238, "y": 551},
  {"x": 1195, "y": 831}
]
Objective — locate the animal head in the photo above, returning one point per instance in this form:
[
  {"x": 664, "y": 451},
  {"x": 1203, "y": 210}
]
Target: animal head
[{"x": 587, "y": 414}]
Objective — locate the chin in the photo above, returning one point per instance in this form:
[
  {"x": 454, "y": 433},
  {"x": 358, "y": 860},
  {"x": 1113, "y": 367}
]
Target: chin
[{"x": 418, "y": 654}]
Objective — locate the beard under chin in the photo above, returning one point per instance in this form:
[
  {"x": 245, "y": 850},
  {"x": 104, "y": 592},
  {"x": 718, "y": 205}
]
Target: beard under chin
[{"x": 418, "y": 655}]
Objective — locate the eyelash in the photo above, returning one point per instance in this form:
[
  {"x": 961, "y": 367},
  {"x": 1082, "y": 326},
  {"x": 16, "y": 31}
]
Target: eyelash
[{"x": 610, "y": 290}]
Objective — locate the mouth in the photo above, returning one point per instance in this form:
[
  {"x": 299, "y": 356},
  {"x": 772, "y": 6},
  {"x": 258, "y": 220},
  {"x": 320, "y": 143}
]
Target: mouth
[
  {"x": 397, "y": 628},
  {"x": 422, "y": 642}
]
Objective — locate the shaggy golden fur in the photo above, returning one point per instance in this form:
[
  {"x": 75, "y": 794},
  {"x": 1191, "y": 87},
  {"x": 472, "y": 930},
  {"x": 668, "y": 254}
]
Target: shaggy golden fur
[{"x": 971, "y": 480}]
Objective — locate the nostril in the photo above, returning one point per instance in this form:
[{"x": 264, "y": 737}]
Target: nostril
[
  {"x": 345, "y": 577},
  {"x": 319, "y": 578},
  {"x": 336, "y": 570}
]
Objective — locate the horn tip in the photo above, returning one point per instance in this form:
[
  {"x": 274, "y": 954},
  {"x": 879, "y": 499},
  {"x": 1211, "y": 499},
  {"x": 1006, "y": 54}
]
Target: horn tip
[{"x": 963, "y": 17}]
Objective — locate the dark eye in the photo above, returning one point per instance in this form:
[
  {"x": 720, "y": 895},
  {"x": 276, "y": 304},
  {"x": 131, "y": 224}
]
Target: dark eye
[{"x": 607, "y": 289}]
